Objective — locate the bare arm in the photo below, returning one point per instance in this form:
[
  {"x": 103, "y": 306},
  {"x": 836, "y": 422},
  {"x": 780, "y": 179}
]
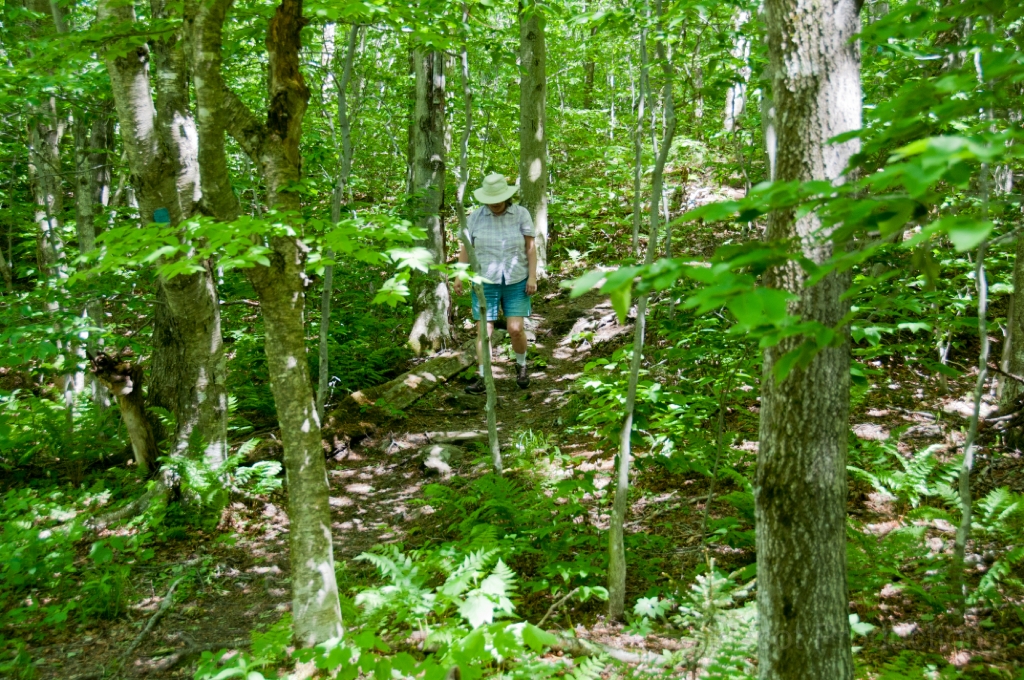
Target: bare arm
[{"x": 531, "y": 261}]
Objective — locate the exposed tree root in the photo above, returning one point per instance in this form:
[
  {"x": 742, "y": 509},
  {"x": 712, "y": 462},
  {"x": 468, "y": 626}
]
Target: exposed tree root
[
  {"x": 160, "y": 489},
  {"x": 161, "y": 610},
  {"x": 193, "y": 649},
  {"x": 581, "y": 647}
]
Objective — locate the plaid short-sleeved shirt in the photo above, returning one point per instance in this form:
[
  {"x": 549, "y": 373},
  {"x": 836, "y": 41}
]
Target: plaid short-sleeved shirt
[{"x": 499, "y": 243}]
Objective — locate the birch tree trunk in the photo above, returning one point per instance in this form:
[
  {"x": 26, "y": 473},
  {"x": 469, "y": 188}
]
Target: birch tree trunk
[
  {"x": 533, "y": 135},
  {"x": 45, "y": 132},
  {"x": 616, "y": 545},
  {"x": 273, "y": 147},
  {"x": 94, "y": 139},
  {"x": 188, "y": 364},
  {"x": 638, "y": 141},
  {"x": 800, "y": 488},
  {"x": 431, "y": 300},
  {"x": 736, "y": 95},
  {"x": 339, "y": 197},
  {"x": 467, "y": 242}
]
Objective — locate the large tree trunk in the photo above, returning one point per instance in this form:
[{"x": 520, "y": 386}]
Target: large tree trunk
[
  {"x": 431, "y": 299},
  {"x": 800, "y": 489},
  {"x": 616, "y": 527},
  {"x": 188, "y": 366},
  {"x": 281, "y": 286},
  {"x": 533, "y": 134},
  {"x": 274, "y": 147}
]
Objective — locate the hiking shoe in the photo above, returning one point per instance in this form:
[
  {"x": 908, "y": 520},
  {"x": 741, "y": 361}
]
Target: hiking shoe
[
  {"x": 522, "y": 378},
  {"x": 477, "y": 386}
]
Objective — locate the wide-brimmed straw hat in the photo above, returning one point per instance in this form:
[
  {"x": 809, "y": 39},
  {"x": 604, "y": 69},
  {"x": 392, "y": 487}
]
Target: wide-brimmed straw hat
[{"x": 495, "y": 189}]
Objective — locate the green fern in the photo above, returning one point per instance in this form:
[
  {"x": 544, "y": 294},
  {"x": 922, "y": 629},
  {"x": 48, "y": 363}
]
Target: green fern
[{"x": 588, "y": 668}]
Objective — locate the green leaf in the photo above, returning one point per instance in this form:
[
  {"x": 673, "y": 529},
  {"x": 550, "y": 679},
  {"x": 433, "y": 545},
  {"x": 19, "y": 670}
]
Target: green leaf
[
  {"x": 536, "y": 638},
  {"x": 968, "y": 234},
  {"x": 621, "y": 299},
  {"x": 585, "y": 283},
  {"x": 100, "y": 553},
  {"x": 478, "y": 609}
]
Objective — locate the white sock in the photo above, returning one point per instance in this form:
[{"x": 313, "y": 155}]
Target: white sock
[
  {"x": 521, "y": 358},
  {"x": 481, "y": 370}
]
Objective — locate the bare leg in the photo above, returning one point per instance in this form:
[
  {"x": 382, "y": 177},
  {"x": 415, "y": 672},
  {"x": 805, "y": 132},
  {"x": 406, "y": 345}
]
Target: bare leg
[{"x": 517, "y": 332}]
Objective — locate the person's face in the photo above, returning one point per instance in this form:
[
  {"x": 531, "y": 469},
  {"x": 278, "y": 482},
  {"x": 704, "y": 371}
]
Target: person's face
[{"x": 497, "y": 208}]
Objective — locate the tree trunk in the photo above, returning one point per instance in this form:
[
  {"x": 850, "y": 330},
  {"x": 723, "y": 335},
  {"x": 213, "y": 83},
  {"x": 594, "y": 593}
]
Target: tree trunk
[
  {"x": 588, "y": 74},
  {"x": 800, "y": 488},
  {"x": 45, "y": 132},
  {"x": 616, "y": 545},
  {"x": 94, "y": 140},
  {"x": 339, "y": 197},
  {"x": 124, "y": 380},
  {"x": 467, "y": 243},
  {"x": 1012, "y": 390},
  {"x": 533, "y": 134},
  {"x": 736, "y": 95},
  {"x": 188, "y": 365},
  {"x": 274, "y": 148},
  {"x": 638, "y": 141},
  {"x": 431, "y": 300},
  {"x": 768, "y": 121}
]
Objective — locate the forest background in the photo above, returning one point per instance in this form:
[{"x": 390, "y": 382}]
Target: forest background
[{"x": 227, "y": 232}]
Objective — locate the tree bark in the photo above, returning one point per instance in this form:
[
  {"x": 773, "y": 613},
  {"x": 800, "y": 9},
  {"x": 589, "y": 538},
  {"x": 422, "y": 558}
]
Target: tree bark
[
  {"x": 800, "y": 488},
  {"x": 188, "y": 364},
  {"x": 533, "y": 135},
  {"x": 736, "y": 95},
  {"x": 638, "y": 141},
  {"x": 46, "y": 130},
  {"x": 339, "y": 197},
  {"x": 467, "y": 243},
  {"x": 431, "y": 299},
  {"x": 1012, "y": 390},
  {"x": 124, "y": 380},
  {"x": 274, "y": 148},
  {"x": 588, "y": 74},
  {"x": 94, "y": 140},
  {"x": 616, "y": 544}
]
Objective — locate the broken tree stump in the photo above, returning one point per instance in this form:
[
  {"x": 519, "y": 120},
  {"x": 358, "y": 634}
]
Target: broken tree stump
[{"x": 124, "y": 380}]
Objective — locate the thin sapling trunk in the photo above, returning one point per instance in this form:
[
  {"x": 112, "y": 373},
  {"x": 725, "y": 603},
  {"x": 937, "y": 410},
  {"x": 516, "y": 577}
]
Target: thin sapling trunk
[
  {"x": 339, "y": 197},
  {"x": 616, "y": 545},
  {"x": 467, "y": 243}
]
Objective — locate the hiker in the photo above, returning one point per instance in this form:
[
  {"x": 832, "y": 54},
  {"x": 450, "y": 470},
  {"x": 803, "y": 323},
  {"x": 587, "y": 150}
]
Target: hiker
[{"x": 502, "y": 234}]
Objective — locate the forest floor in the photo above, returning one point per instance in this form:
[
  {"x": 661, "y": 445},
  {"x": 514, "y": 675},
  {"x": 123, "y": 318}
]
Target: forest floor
[
  {"x": 376, "y": 498},
  {"x": 239, "y": 574}
]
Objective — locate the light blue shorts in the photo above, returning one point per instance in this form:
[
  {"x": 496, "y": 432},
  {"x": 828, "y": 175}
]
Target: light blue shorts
[{"x": 510, "y": 297}]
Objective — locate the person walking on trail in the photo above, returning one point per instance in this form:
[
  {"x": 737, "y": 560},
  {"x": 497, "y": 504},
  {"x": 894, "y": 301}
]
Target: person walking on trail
[{"x": 502, "y": 235}]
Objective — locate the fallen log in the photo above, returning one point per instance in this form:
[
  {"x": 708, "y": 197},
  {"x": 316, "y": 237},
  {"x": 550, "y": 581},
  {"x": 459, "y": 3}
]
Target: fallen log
[{"x": 410, "y": 386}]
